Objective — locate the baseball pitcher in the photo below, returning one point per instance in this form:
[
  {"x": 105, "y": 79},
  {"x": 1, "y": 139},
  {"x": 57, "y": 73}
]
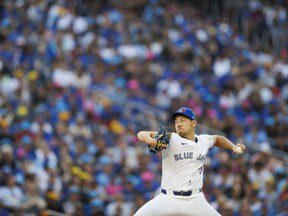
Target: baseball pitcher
[{"x": 183, "y": 156}]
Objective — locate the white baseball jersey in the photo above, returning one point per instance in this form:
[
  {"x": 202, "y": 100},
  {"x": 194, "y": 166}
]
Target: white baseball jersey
[
  {"x": 182, "y": 163},
  {"x": 182, "y": 169}
]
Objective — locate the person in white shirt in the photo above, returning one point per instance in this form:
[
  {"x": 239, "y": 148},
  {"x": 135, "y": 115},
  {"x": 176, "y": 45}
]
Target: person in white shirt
[
  {"x": 182, "y": 168},
  {"x": 11, "y": 194}
]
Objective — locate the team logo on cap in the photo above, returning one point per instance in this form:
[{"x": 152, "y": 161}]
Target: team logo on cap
[{"x": 182, "y": 110}]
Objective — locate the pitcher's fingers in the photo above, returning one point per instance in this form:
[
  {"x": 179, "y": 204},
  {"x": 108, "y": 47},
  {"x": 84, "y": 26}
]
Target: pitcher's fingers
[{"x": 159, "y": 136}]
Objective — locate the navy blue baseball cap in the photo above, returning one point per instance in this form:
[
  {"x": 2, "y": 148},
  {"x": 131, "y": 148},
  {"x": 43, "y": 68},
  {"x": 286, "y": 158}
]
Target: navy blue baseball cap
[{"x": 186, "y": 112}]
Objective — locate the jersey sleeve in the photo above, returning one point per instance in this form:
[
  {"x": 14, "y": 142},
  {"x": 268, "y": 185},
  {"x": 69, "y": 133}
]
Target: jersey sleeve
[
  {"x": 172, "y": 140},
  {"x": 172, "y": 137},
  {"x": 168, "y": 151},
  {"x": 209, "y": 140}
]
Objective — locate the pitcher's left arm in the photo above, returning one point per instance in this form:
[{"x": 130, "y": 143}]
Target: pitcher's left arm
[{"x": 223, "y": 142}]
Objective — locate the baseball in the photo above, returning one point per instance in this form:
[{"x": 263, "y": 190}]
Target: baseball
[{"x": 238, "y": 150}]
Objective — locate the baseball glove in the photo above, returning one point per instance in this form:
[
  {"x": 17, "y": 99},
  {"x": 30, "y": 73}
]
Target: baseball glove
[{"x": 163, "y": 136}]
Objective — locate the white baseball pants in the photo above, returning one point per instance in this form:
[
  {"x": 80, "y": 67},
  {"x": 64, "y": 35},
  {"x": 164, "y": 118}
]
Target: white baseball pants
[{"x": 162, "y": 204}]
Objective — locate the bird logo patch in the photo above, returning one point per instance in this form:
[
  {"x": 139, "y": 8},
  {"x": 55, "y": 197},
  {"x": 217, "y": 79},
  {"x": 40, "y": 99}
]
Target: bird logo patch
[{"x": 182, "y": 110}]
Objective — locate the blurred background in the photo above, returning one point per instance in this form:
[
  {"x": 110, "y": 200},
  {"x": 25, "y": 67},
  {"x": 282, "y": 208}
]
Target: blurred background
[{"x": 79, "y": 79}]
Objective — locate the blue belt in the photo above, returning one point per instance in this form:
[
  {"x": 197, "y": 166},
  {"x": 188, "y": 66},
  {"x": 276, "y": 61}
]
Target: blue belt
[{"x": 181, "y": 193}]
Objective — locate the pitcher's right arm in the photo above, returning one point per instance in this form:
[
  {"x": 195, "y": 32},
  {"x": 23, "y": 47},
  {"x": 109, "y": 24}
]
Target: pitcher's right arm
[{"x": 148, "y": 137}]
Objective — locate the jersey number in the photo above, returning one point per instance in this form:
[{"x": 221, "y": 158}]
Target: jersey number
[{"x": 200, "y": 169}]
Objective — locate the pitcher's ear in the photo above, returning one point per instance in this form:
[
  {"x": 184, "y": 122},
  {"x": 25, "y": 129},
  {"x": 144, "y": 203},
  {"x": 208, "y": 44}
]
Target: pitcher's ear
[{"x": 194, "y": 122}]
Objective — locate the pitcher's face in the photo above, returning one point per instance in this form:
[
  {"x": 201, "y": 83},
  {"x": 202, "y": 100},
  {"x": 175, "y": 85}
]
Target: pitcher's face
[{"x": 184, "y": 125}]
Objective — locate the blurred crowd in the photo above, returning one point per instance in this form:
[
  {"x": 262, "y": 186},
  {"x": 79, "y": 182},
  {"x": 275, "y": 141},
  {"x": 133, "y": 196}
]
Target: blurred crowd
[{"x": 78, "y": 80}]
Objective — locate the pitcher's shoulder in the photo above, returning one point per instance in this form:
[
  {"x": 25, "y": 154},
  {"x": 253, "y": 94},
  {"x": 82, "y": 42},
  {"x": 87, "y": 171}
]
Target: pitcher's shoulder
[
  {"x": 206, "y": 138},
  {"x": 174, "y": 135},
  {"x": 203, "y": 135}
]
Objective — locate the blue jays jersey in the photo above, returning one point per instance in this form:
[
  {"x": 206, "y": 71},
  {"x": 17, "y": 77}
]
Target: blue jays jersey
[{"x": 182, "y": 162}]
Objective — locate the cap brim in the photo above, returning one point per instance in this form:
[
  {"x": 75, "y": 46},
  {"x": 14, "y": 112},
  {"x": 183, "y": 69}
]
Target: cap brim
[{"x": 175, "y": 114}]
